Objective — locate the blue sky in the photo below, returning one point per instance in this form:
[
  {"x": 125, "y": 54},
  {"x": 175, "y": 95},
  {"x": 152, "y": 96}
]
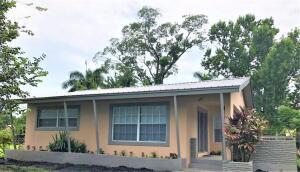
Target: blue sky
[{"x": 70, "y": 32}]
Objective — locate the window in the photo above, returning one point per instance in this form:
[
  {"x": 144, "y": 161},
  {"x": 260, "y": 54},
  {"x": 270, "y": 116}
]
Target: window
[
  {"x": 217, "y": 128},
  {"x": 54, "y": 117},
  {"x": 139, "y": 123}
]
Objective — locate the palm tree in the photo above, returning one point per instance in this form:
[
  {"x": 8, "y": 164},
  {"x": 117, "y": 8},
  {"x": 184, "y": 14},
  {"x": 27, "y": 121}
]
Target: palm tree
[{"x": 91, "y": 80}]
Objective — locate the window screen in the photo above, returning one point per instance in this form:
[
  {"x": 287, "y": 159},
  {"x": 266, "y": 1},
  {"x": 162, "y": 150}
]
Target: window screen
[
  {"x": 142, "y": 123},
  {"x": 55, "y": 118},
  {"x": 125, "y": 122},
  {"x": 153, "y": 123},
  {"x": 218, "y": 128}
]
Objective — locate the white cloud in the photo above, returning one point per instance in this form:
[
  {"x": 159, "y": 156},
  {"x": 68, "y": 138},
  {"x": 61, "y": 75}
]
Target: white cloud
[{"x": 70, "y": 32}]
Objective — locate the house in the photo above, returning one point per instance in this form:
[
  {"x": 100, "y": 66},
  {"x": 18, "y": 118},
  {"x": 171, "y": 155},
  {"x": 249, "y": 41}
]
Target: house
[{"x": 184, "y": 118}]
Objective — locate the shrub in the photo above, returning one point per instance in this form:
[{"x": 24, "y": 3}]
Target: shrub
[
  {"x": 5, "y": 140},
  {"x": 123, "y": 153},
  {"x": 101, "y": 151},
  {"x": 153, "y": 155},
  {"x": 243, "y": 132},
  {"x": 60, "y": 144},
  {"x": 215, "y": 153},
  {"x": 173, "y": 156}
]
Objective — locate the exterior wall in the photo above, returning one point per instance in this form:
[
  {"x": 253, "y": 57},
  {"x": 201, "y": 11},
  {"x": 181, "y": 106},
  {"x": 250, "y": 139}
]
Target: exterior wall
[
  {"x": 237, "y": 100},
  {"x": 187, "y": 111},
  {"x": 87, "y": 135},
  {"x": 86, "y": 132}
]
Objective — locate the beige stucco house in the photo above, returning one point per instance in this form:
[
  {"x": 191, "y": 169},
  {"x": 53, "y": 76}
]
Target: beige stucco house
[{"x": 161, "y": 118}]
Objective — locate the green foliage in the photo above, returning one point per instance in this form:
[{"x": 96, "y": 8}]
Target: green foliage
[
  {"x": 20, "y": 124},
  {"x": 247, "y": 47},
  {"x": 91, "y": 79},
  {"x": 16, "y": 70},
  {"x": 271, "y": 81},
  {"x": 240, "y": 47},
  {"x": 203, "y": 76},
  {"x": 148, "y": 51},
  {"x": 153, "y": 155},
  {"x": 289, "y": 118},
  {"x": 293, "y": 98},
  {"x": 60, "y": 144},
  {"x": 244, "y": 131},
  {"x": 5, "y": 140}
]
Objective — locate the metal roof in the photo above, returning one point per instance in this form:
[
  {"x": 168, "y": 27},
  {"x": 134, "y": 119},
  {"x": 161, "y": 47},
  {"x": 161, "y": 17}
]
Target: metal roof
[{"x": 211, "y": 86}]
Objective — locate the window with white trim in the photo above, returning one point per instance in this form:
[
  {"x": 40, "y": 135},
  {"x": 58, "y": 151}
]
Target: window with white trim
[
  {"x": 54, "y": 117},
  {"x": 139, "y": 123},
  {"x": 217, "y": 128}
]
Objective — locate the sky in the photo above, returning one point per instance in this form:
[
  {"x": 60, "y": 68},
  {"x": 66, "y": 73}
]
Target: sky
[{"x": 71, "y": 32}]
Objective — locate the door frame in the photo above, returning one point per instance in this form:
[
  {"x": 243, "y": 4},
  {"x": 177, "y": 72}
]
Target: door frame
[{"x": 202, "y": 110}]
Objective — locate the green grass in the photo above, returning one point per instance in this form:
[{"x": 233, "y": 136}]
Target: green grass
[{"x": 15, "y": 168}]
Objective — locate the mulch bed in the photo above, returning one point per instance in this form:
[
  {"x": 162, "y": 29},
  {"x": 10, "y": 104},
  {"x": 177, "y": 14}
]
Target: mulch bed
[{"x": 71, "y": 167}]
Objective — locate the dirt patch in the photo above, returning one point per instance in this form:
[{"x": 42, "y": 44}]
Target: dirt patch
[{"x": 70, "y": 167}]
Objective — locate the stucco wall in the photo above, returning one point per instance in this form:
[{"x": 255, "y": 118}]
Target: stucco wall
[{"x": 187, "y": 109}]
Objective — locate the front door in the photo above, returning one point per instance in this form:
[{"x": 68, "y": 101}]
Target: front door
[{"x": 202, "y": 131}]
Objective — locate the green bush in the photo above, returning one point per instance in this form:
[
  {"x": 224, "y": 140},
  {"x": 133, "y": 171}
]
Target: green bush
[
  {"x": 5, "y": 140},
  {"x": 60, "y": 144}
]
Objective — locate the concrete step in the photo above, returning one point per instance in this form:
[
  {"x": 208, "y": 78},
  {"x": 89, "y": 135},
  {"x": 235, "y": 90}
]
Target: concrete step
[{"x": 206, "y": 165}]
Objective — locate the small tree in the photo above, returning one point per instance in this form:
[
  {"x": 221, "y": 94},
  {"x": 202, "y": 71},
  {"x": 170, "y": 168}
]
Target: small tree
[{"x": 244, "y": 131}]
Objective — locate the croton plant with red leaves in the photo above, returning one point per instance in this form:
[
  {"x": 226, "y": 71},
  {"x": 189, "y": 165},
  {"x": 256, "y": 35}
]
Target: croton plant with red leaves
[{"x": 243, "y": 131}]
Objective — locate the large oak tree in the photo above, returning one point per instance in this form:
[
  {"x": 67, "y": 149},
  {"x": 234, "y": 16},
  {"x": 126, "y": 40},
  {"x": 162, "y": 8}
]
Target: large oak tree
[{"x": 148, "y": 50}]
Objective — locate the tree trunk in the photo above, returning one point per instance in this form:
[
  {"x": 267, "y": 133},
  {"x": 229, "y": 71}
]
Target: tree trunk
[
  {"x": 13, "y": 131},
  {"x": 158, "y": 80}
]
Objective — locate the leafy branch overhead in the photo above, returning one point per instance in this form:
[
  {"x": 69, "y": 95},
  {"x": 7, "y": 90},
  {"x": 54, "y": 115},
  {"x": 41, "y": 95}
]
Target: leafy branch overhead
[
  {"x": 16, "y": 69},
  {"x": 149, "y": 50}
]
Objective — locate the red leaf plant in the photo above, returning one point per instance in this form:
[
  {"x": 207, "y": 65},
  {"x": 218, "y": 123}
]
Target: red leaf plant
[{"x": 244, "y": 131}]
